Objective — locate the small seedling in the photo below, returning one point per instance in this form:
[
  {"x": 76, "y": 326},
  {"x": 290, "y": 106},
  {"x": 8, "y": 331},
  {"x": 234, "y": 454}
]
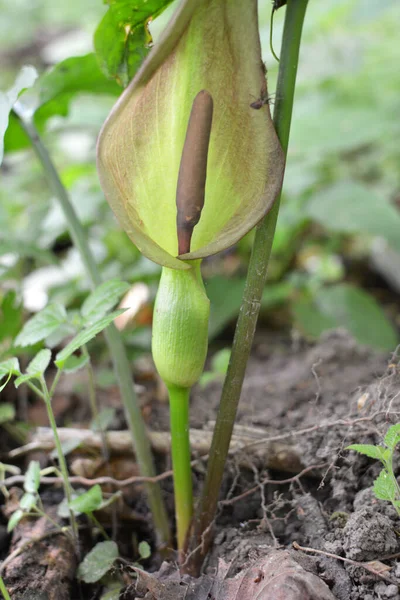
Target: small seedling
[
  {"x": 386, "y": 486},
  {"x": 93, "y": 318}
]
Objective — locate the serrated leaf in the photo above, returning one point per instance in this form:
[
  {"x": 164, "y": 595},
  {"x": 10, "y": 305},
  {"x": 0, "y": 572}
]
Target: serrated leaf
[
  {"x": 32, "y": 477},
  {"x": 103, "y": 419},
  {"x": 377, "y": 452},
  {"x": 98, "y": 562},
  {"x": 39, "y": 363},
  {"x": 11, "y": 365},
  {"x": 7, "y": 412},
  {"x": 8, "y": 368},
  {"x": 75, "y": 363},
  {"x": 103, "y": 299},
  {"x": 41, "y": 325},
  {"x": 392, "y": 437},
  {"x": 14, "y": 519},
  {"x": 27, "y": 502},
  {"x": 384, "y": 487},
  {"x": 85, "y": 336},
  {"x": 87, "y": 502},
  {"x": 144, "y": 550},
  {"x": 25, "y": 79}
]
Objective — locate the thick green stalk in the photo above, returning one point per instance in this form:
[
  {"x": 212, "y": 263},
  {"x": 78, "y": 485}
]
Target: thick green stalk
[
  {"x": 117, "y": 351},
  {"x": 248, "y": 315},
  {"x": 180, "y": 444}
]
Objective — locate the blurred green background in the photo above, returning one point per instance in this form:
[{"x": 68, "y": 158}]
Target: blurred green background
[{"x": 336, "y": 258}]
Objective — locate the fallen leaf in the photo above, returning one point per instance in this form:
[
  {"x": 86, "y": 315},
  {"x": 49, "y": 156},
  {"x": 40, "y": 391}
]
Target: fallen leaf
[{"x": 276, "y": 576}]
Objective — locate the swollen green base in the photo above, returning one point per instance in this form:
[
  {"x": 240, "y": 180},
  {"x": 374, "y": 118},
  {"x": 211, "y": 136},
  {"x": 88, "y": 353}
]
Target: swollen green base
[
  {"x": 183, "y": 490},
  {"x": 180, "y": 326}
]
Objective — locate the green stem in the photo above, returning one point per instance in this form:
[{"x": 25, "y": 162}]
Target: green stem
[
  {"x": 35, "y": 389},
  {"x": 61, "y": 459},
  {"x": 117, "y": 350},
  {"x": 3, "y": 590},
  {"x": 180, "y": 443},
  {"x": 95, "y": 416},
  {"x": 248, "y": 315}
]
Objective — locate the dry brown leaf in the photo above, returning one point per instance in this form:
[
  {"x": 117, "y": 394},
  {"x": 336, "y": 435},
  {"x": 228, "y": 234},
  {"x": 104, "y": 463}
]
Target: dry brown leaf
[{"x": 276, "y": 576}]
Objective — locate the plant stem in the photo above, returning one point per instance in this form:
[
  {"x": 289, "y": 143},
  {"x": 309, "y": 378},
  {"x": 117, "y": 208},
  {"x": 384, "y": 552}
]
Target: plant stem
[
  {"x": 95, "y": 416},
  {"x": 248, "y": 315},
  {"x": 61, "y": 460},
  {"x": 114, "y": 340},
  {"x": 3, "y": 590},
  {"x": 180, "y": 443}
]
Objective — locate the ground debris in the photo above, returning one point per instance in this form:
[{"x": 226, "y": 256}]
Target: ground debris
[
  {"x": 276, "y": 576},
  {"x": 43, "y": 569}
]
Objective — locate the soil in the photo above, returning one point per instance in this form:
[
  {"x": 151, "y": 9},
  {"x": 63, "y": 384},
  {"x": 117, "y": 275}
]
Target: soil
[{"x": 318, "y": 399}]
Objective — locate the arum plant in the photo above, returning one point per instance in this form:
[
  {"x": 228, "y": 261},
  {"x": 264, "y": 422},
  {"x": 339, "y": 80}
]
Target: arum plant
[{"x": 189, "y": 167}]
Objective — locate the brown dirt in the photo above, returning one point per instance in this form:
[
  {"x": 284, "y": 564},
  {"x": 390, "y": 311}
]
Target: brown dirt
[{"x": 318, "y": 399}]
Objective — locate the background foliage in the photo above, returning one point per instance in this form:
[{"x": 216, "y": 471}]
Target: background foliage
[{"x": 336, "y": 259}]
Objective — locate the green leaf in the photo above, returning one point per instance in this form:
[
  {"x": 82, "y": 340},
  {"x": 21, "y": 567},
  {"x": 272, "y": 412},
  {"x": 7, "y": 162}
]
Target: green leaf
[
  {"x": 85, "y": 336},
  {"x": 122, "y": 39},
  {"x": 11, "y": 365},
  {"x": 87, "y": 502},
  {"x": 11, "y": 311},
  {"x": 103, "y": 299},
  {"x": 226, "y": 294},
  {"x": 220, "y": 361},
  {"x": 71, "y": 76},
  {"x": 75, "y": 363},
  {"x": 25, "y": 79},
  {"x": 41, "y": 325},
  {"x": 351, "y": 207},
  {"x": 103, "y": 419},
  {"x": 144, "y": 550},
  {"x": 7, "y": 412},
  {"x": 392, "y": 437},
  {"x": 27, "y": 502},
  {"x": 23, "y": 379},
  {"x": 112, "y": 594},
  {"x": 8, "y": 368},
  {"x": 98, "y": 562},
  {"x": 377, "y": 452},
  {"x": 39, "y": 363},
  {"x": 14, "y": 519},
  {"x": 344, "y": 305},
  {"x": 384, "y": 487},
  {"x": 32, "y": 477}
]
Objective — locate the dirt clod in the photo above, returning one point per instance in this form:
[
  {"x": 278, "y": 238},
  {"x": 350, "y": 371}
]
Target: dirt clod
[{"x": 368, "y": 536}]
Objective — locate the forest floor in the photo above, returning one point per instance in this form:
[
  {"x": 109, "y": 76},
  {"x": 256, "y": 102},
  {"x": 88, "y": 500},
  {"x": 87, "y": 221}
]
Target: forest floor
[{"x": 289, "y": 481}]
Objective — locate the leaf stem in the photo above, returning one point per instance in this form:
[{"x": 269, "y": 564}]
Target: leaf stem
[
  {"x": 180, "y": 443},
  {"x": 248, "y": 315},
  {"x": 114, "y": 340}
]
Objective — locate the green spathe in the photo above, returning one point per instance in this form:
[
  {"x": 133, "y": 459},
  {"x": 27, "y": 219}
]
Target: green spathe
[
  {"x": 180, "y": 326},
  {"x": 209, "y": 45}
]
